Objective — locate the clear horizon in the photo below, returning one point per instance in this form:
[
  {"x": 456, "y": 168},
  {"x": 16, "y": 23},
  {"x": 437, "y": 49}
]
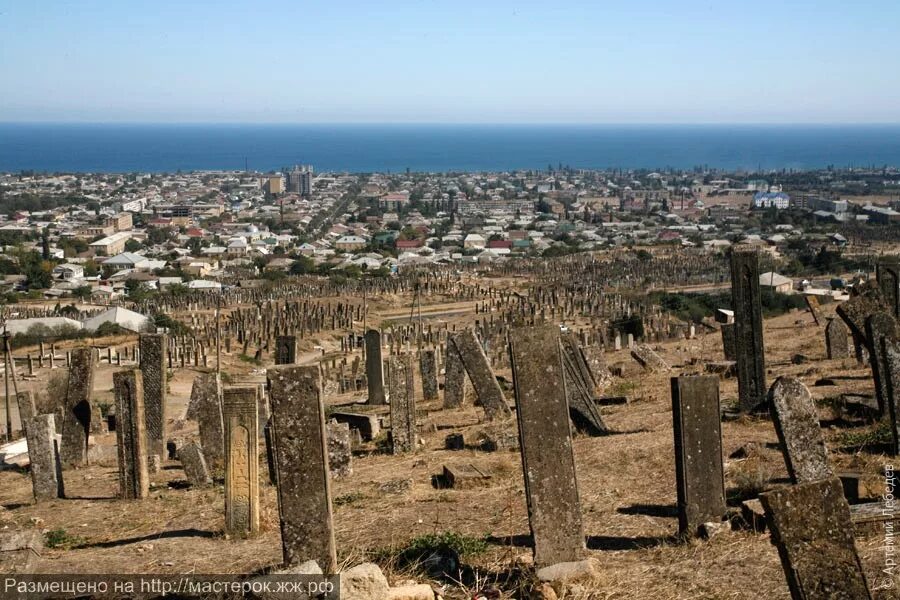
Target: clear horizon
[{"x": 656, "y": 62}]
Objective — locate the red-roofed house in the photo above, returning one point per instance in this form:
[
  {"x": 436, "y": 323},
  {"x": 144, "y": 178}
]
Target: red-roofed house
[
  {"x": 409, "y": 244},
  {"x": 499, "y": 244}
]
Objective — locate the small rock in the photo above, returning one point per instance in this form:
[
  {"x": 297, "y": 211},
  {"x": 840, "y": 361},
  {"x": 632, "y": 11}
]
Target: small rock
[
  {"x": 364, "y": 582},
  {"x": 711, "y": 529},
  {"x": 569, "y": 571},
  {"x": 545, "y": 592},
  {"x": 36, "y": 521}
]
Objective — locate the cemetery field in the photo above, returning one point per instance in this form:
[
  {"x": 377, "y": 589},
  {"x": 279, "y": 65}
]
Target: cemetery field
[{"x": 393, "y": 508}]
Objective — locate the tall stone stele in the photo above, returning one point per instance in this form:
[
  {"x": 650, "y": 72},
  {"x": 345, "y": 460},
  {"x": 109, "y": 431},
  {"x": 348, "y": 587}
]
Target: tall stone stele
[
  {"x": 153, "y": 370},
  {"x": 131, "y": 435},
  {"x": 43, "y": 451},
  {"x": 404, "y": 435},
  {"x": 301, "y": 460},
  {"x": 77, "y": 408},
  {"x": 374, "y": 368},
  {"x": 748, "y": 327},
  {"x": 241, "y": 460}
]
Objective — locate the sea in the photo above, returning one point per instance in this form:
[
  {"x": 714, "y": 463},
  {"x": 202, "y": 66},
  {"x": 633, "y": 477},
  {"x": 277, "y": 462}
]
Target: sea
[{"x": 129, "y": 148}]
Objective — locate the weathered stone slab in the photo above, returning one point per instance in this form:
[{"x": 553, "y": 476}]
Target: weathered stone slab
[
  {"x": 797, "y": 424},
  {"x": 699, "y": 470},
  {"x": 25, "y": 404},
  {"x": 837, "y": 343},
  {"x": 77, "y": 410},
  {"x": 340, "y": 449},
  {"x": 579, "y": 388},
  {"x": 891, "y": 350},
  {"x": 551, "y": 489},
  {"x": 728, "y": 342},
  {"x": 866, "y": 301},
  {"x": 812, "y": 303},
  {"x": 454, "y": 377},
  {"x": 811, "y": 527},
  {"x": 879, "y": 326},
  {"x": 428, "y": 370},
  {"x": 20, "y": 551},
  {"x": 241, "y": 417},
  {"x": 153, "y": 355},
  {"x": 374, "y": 368},
  {"x": 301, "y": 458},
  {"x": 479, "y": 370},
  {"x": 368, "y": 425},
  {"x": 285, "y": 350},
  {"x": 404, "y": 435},
  {"x": 465, "y": 476},
  {"x": 193, "y": 462},
  {"x": 43, "y": 454},
  {"x": 131, "y": 449},
  {"x": 647, "y": 358},
  {"x": 206, "y": 393},
  {"x": 887, "y": 273},
  {"x": 598, "y": 367},
  {"x": 748, "y": 328}
]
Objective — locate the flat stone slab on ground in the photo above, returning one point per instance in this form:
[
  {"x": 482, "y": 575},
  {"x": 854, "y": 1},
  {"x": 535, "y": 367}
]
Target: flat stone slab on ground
[{"x": 465, "y": 476}]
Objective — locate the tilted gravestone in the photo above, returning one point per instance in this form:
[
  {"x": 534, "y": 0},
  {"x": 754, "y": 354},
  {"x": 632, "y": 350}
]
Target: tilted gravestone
[
  {"x": 797, "y": 425},
  {"x": 454, "y": 377},
  {"x": 479, "y": 370},
  {"x": 374, "y": 368},
  {"x": 301, "y": 458},
  {"x": 241, "y": 417},
  {"x": 206, "y": 392},
  {"x": 77, "y": 411},
  {"x": 812, "y": 303},
  {"x": 404, "y": 435},
  {"x": 647, "y": 358},
  {"x": 728, "y": 341},
  {"x": 131, "y": 435},
  {"x": 25, "y": 404},
  {"x": 153, "y": 355},
  {"x": 866, "y": 301},
  {"x": 891, "y": 350},
  {"x": 812, "y": 529},
  {"x": 43, "y": 453},
  {"x": 580, "y": 385},
  {"x": 551, "y": 490},
  {"x": 193, "y": 461},
  {"x": 880, "y": 325},
  {"x": 748, "y": 328},
  {"x": 837, "y": 343},
  {"x": 887, "y": 273},
  {"x": 699, "y": 471},
  {"x": 285, "y": 350},
  {"x": 428, "y": 370}
]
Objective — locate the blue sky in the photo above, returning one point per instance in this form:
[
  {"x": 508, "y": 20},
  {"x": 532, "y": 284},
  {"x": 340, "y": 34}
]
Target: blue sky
[{"x": 496, "y": 61}]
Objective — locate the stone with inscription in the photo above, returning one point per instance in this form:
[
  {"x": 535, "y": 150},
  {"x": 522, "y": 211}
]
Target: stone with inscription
[
  {"x": 428, "y": 370},
  {"x": 404, "y": 435},
  {"x": 77, "y": 409},
  {"x": 241, "y": 417},
  {"x": 797, "y": 425},
  {"x": 43, "y": 454},
  {"x": 748, "y": 328},
  {"x": 193, "y": 461},
  {"x": 837, "y": 343},
  {"x": 879, "y": 326},
  {"x": 340, "y": 449},
  {"x": 551, "y": 490},
  {"x": 374, "y": 368},
  {"x": 480, "y": 373},
  {"x": 131, "y": 435},
  {"x": 301, "y": 458},
  {"x": 812, "y": 529},
  {"x": 153, "y": 370}
]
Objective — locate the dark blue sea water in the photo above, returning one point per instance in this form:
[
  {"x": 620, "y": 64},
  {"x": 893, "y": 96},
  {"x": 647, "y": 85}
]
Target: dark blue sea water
[{"x": 439, "y": 148}]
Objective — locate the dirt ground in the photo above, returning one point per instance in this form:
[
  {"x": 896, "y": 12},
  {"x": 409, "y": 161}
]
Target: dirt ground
[{"x": 626, "y": 485}]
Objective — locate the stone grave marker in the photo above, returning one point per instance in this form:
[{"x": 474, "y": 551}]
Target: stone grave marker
[
  {"x": 428, "y": 369},
  {"x": 554, "y": 511},
  {"x": 77, "y": 411},
  {"x": 285, "y": 350},
  {"x": 891, "y": 350},
  {"x": 812, "y": 303},
  {"x": 404, "y": 435},
  {"x": 193, "y": 462},
  {"x": 340, "y": 449},
  {"x": 454, "y": 377},
  {"x": 880, "y": 325},
  {"x": 374, "y": 368},
  {"x": 479, "y": 371},
  {"x": 797, "y": 425},
  {"x": 43, "y": 453},
  {"x": 811, "y": 527},
  {"x": 153, "y": 370},
  {"x": 301, "y": 458},
  {"x": 728, "y": 341},
  {"x": 131, "y": 440},
  {"x": 241, "y": 417},
  {"x": 647, "y": 358},
  {"x": 887, "y": 273},
  {"x": 206, "y": 391},
  {"x": 748, "y": 328},
  {"x": 837, "y": 344},
  {"x": 699, "y": 470}
]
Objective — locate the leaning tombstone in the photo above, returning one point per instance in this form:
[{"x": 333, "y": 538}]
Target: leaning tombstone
[
  {"x": 812, "y": 303},
  {"x": 43, "y": 453},
  {"x": 134, "y": 479},
  {"x": 880, "y": 325},
  {"x": 77, "y": 410},
  {"x": 699, "y": 471},
  {"x": 551, "y": 490},
  {"x": 812, "y": 529},
  {"x": 206, "y": 392},
  {"x": 891, "y": 350},
  {"x": 193, "y": 462},
  {"x": 241, "y": 417},
  {"x": 480, "y": 373},
  {"x": 26, "y": 406},
  {"x": 797, "y": 425},
  {"x": 301, "y": 459}
]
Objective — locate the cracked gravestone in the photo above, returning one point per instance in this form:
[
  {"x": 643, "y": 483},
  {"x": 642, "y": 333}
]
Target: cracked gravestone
[{"x": 797, "y": 425}]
